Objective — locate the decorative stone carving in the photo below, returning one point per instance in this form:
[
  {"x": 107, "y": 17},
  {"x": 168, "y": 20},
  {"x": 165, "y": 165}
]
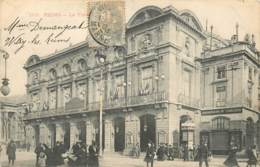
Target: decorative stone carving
[
  {"x": 52, "y": 99},
  {"x": 66, "y": 94},
  {"x": 247, "y": 38},
  {"x": 81, "y": 91},
  {"x": 187, "y": 47},
  {"x": 146, "y": 41},
  {"x": 66, "y": 69},
  {"x": 45, "y": 106}
]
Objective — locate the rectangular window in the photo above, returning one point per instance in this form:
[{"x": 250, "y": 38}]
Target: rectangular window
[
  {"x": 249, "y": 99},
  {"x": 147, "y": 81},
  {"x": 97, "y": 90},
  {"x": 119, "y": 90},
  {"x": 35, "y": 102},
  {"x": 82, "y": 91},
  {"x": 52, "y": 99},
  {"x": 187, "y": 83},
  {"x": 66, "y": 95},
  {"x": 221, "y": 72},
  {"x": 220, "y": 96}
]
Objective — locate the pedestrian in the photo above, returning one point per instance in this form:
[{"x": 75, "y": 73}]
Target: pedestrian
[
  {"x": 203, "y": 154},
  {"x": 58, "y": 150},
  {"x": 50, "y": 158},
  {"x": 170, "y": 152},
  {"x": 93, "y": 155},
  {"x": 252, "y": 156},
  {"x": 137, "y": 150},
  {"x": 231, "y": 159},
  {"x": 42, "y": 159},
  {"x": 191, "y": 150},
  {"x": 28, "y": 147},
  {"x": 149, "y": 157},
  {"x": 37, "y": 151},
  {"x": 185, "y": 152},
  {"x": 10, "y": 151}
]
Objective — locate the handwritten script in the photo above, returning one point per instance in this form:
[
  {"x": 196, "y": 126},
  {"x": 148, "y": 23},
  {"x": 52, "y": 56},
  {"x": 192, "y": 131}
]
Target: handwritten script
[{"x": 21, "y": 33}]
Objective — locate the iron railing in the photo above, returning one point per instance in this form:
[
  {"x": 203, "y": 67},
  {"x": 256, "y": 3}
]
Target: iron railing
[{"x": 120, "y": 102}]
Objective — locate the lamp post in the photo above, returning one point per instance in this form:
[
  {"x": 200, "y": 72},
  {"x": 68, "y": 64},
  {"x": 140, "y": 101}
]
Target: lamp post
[
  {"x": 101, "y": 61},
  {"x": 5, "y": 90}
]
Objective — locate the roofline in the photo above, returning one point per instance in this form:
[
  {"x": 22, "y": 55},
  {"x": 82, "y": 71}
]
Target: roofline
[
  {"x": 169, "y": 13},
  {"x": 59, "y": 53}
]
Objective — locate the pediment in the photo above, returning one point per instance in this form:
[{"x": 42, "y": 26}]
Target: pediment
[
  {"x": 190, "y": 18},
  {"x": 34, "y": 59},
  {"x": 144, "y": 14}
]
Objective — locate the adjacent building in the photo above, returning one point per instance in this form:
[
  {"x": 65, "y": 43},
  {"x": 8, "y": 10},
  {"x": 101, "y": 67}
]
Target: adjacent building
[
  {"x": 12, "y": 126},
  {"x": 173, "y": 82}
]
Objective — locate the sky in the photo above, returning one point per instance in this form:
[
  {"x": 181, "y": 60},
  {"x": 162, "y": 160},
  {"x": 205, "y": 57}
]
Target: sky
[{"x": 222, "y": 14}]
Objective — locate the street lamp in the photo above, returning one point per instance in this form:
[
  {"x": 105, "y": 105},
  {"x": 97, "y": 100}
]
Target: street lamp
[
  {"x": 101, "y": 58},
  {"x": 5, "y": 90}
]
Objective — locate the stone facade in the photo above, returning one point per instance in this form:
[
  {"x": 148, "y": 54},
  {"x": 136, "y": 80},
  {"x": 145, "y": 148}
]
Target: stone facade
[
  {"x": 161, "y": 88},
  {"x": 12, "y": 126}
]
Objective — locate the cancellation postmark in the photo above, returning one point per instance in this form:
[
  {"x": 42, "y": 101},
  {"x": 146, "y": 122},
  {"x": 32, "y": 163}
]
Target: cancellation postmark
[{"x": 106, "y": 22}]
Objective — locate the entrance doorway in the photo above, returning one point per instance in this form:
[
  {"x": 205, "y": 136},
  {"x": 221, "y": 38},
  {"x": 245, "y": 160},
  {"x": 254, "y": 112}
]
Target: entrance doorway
[
  {"x": 96, "y": 125},
  {"x": 183, "y": 135},
  {"x": 147, "y": 130},
  {"x": 52, "y": 129},
  {"x": 67, "y": 135},
  {"x": 250, "y": 132},
  {"x": 82, "y": 131},
  {"x": 119, "y": 131}
]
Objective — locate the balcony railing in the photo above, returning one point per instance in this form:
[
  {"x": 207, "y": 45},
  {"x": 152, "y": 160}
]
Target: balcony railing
[
  {"x": 129, "y": 101},
  {"x": 107, "y": 104}
]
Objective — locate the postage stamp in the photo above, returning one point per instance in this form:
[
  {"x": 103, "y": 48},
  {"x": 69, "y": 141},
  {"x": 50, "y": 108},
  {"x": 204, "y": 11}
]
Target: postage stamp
[{"x": 106, "y": 22}]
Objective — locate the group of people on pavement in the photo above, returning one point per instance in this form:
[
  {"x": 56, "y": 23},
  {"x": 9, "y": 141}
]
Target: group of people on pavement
[
  {"x": 202, "y": 155},
  {"x": 165, "y": 152},
  {"x": 46, "y": 156},
  {"x": 82, "y": 155},
  {"x": 231, "y": 160},
  {"x": 78, "y": 156}
]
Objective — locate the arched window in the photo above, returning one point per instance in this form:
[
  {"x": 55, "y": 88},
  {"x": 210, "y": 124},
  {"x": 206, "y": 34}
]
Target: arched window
[
  {"x": 221, "y": 123},
  {"x": 82, "y": 65},
  {"x": 66, "y": 69},
  {"x": 250, "y": 125},
  {"x": 53, "y": 74}
]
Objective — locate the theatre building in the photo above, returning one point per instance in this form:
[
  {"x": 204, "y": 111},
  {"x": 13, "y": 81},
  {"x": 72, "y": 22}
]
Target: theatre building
[{"x": 163, "y": 86}]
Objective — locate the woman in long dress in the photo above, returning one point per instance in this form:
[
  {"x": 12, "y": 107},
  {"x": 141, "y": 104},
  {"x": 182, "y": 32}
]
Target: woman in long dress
[
  {"x": 231, "y": 160},
  {"x": 93, "y": 155},
  {"x": 252, "y": 157}
]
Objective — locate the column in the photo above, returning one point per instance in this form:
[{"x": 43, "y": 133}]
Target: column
[
  {"x": 73, "y": 89},
  {"x": 59, "y": 132},
  {"x": 59, "y": 96},
  {"x": 30, "y": 137},
  {"x": 108, "y": 136},
  {"x": 74, "y": 133}
]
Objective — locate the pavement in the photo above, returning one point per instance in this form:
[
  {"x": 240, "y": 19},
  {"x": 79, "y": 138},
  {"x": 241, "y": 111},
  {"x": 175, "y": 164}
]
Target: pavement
[{"x": 27, "y": 159}]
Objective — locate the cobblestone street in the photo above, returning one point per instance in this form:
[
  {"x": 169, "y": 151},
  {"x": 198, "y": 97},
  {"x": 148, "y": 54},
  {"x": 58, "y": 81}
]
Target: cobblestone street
[{"x": 25, "y": 159}]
